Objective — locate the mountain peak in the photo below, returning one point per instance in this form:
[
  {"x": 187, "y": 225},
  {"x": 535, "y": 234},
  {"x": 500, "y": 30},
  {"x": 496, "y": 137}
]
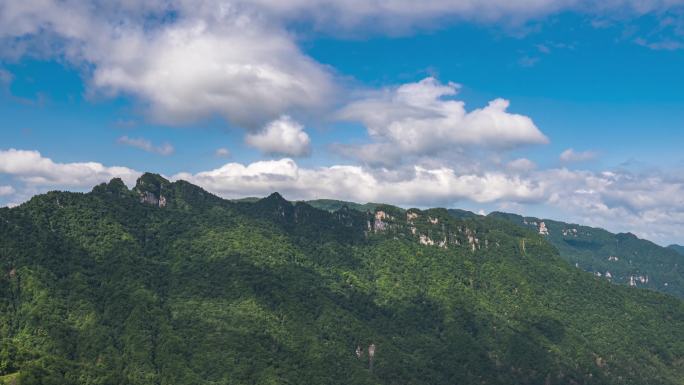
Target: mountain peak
[
  {"x": 149, "y": 179},
  {"x": 276, "y": 197},
  {"x": 677, "y": 248},
  {"x": 151, "y": 187},
  {"x": 115, "y": 186}
]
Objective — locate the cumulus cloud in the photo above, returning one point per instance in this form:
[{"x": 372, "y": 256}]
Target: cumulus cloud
[
  {"x": 423, "y": 118},
  {"x": 232, "y": 68},
  {"x": 648, "y": 205},
  {"x": 145, "y": 145},
  {"x": 33, "y": 169},
  {"x": 417, "y": 186},
  {"x": 283, "y": 136},
  {"x": 570, "y": 155},
  {"x": 237, "y": 59},
  {"x": 210, "y": 59}
]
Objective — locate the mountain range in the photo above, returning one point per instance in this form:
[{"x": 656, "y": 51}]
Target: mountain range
[
  {"x": 619, "y": 258},
  {"x": 677, "y": 248},
  {"x": 166, "y": 283}
]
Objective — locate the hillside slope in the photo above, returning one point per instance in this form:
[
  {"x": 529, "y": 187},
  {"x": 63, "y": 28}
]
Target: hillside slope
[
  {"x": 620, "y": 258},
  {"x": 677, "y": 248},
  {"x": 168, "y": 284}
]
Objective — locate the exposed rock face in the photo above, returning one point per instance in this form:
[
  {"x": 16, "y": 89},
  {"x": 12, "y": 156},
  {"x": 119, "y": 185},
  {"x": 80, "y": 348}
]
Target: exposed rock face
[
  {"x": 543, "y": 230},
  {"x": 151, "y": 199},
  {"x": 150, "y": 188},
  {"x": 379, "y": 224},
  {"x": 425, "y": 240},
  {"x": 570, "y": 232},
  {"x": 636, "y": 279},
  {"x": 431, "y": 228}
]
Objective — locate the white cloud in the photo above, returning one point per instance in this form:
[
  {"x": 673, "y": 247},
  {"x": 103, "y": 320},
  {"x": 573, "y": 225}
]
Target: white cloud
[
  {"x": 211, "y": 59},
  {"x": 398, "y": 16},
  {"x": 418, "y": 186},
  {"x": 188, "y": 60},
  {"x": 521, "y": 164},
  {"x": 648, "y": 205},
  {"x": 283, "y": 136},
  {"x": 6, "y": 190},
  {"x": 31, "y": 168},
  {"x": 570, "y": 155},
  {"x": 222, "y": 152},
  {"x": 231, "y": 67},
  {"x": 145, "y": 145},
  {"x": 423, "y": 118}
]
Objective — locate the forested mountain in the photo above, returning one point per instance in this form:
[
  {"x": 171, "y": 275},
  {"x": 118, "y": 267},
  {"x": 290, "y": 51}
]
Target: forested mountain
[
  {"x": 621, "y": 258},
  {"x": 677, "y": 248},
  {"x": 334, "y": 205},
  {"x": 168, "y": 284}
]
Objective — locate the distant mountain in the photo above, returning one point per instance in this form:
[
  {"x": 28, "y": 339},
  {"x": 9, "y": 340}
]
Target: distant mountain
[
  {"x": 620, "y": 258},
  {"x": 166, "y": 283},
  {"x": 246, "y": 200},
  {"x": 334, "y": 205},
  {"x": 462, "y": 214},
  {"x": 677, "y": 248}
]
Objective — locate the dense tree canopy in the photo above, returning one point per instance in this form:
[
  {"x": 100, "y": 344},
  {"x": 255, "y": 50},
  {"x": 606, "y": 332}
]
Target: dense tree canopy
[
  {"x": 621, "y": 258},
  {"x": 168, "y": 284}
]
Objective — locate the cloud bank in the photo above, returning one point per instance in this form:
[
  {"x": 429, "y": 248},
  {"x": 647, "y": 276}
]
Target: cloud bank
[
  {"x": 35, "y": 170},
  {"x": 650, "y": 205}
]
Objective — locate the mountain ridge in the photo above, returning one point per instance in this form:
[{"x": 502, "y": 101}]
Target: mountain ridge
[
  {"x": 593, "y": 252},
  {"x": 112, "y": 287},
  {"x": 677, "y": 248}
]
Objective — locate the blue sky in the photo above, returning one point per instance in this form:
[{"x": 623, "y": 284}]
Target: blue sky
[{"x": 356, "y": 103}]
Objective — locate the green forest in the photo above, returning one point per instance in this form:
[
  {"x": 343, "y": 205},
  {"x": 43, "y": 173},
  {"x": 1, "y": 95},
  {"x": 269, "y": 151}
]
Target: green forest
[
  {"x": 621, "y": 258},
  {"x": 168, "y": 284}
]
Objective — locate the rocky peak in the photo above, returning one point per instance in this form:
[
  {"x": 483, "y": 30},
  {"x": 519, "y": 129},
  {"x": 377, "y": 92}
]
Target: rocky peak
[
  {"x": 275, "y": 200},
  {"x": 276, "y": 204},
  {"x": 626, "y": 236},
  {"x": 276, "y": 197},
  {"x": 151, "y": 182},
  {"x": 115, "y": 187},
  {"x": 151, "y": 189}
]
